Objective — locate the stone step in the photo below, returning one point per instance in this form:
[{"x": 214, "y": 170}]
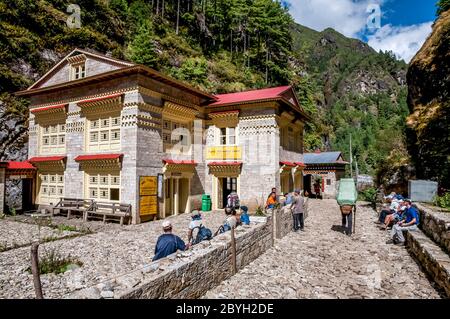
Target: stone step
[
  {"x": 431, "y": 257},
  {"x": 436, "y": 225}
]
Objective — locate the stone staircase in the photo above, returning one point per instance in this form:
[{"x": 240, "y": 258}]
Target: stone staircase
[{"x": 430, "y": 246}]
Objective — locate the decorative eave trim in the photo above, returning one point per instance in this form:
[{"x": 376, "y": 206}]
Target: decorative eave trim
[
  {"x": 50, "y": 109},
  {"x": 182, "y": 166},
  {"x": 179, "y": 112},
  {"x": 220, "y": 169},
  {"x": 49, "y": 163},
  {"x": 88, "y": 97},
  {"x": 77, "y": 59},
  {"x": 106, "y": 104},
  {"x": 100, "y": 161}
]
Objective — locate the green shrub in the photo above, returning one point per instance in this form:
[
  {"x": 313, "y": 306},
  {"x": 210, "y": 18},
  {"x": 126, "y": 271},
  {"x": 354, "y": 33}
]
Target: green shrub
[
  {"x": 443, "y": 201},
  {"x": 368, "y": 195}
]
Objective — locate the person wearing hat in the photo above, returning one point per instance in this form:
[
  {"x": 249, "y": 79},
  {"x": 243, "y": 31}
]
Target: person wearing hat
[
  {"x": 298, "y": 210},
  {"x": 168, "y": 243},
  {"x": 409, "y": 222},
  {"x": 196, "y": 222}
]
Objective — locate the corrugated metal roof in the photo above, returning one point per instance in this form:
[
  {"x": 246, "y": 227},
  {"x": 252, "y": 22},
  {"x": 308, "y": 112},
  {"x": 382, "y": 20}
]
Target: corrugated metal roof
[{"x": 321, "y": 158}]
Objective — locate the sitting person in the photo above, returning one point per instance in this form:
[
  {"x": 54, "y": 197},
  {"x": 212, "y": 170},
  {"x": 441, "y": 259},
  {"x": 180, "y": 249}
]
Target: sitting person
[
  {"x": 391, "y": 210},
  {"x": 229, "y": 223},
  {"x": 168, "y": 243},
  {"x": 272, "y": 201},
  {"x": 410, "y": 222},
  {"x": 395, "y": 217},
  {"x": 245, "y": 219},
  {"x": 203, "y": 233}
]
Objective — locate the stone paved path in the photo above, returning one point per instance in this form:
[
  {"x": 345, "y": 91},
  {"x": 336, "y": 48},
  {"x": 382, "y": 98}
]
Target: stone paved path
[
  {"x": 111, "y": 251},
  {"x": 324, "y": 263}
]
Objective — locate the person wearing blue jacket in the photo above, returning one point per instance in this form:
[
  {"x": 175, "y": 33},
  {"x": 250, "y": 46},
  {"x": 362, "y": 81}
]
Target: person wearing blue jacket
[
  {"x": 168, "y": 243},
  {"x": 409, "y": 222}
]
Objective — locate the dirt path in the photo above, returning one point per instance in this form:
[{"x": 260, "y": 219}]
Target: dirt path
[{"x": 324, "y": 263}]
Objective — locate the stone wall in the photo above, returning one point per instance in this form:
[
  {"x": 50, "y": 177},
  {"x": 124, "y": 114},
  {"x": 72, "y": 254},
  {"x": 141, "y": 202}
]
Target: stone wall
[
  {"x": 436, "y": 226},
  {"x": 432, "y": 258},
  {"x": 188, "y": 274}
]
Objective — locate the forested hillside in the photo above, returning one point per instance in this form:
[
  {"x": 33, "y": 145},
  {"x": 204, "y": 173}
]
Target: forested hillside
[{"x": 218, "y": 46}]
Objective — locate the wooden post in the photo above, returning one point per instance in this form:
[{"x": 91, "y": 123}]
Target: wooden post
[
  {"x": 35, "y": 271},
  {"x": 233, "y": 251}
]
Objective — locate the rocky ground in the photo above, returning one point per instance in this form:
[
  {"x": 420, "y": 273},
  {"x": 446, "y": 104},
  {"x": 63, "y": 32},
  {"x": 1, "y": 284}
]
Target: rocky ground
[
  {"x": 16, "y": 234},
  {"x": 109, "y": 251},
  {"x": 324, "y": 263}
]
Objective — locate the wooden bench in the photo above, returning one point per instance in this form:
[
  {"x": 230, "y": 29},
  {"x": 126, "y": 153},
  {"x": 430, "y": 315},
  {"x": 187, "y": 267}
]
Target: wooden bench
[
  {"x": 74, "y": 205},
  {"x": 110, "y": 210}
]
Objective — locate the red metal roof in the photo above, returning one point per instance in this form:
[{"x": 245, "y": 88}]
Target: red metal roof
[
  {"x": 225, "y": 164},
  {"x": 300, "y": 164},
  {"x": 288, "y": 164},
  {"x": 169, "y": 161},
  {"x": 46, "y": 159},
  {"x": 97, "y": 157},
  {"x": 20, "y": 165},
  {"x": 248, "y": 96},
  {"x": 53, "y": 107},
  {"x": 101, "y": 98}
]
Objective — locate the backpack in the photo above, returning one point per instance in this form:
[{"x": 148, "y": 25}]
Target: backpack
[
  {"x": 203, "y": 233},
  {"x": 245, "y": 219},
  {"x": 233, "y": 200}
]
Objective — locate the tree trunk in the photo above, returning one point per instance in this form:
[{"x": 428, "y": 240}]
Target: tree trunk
[{"x": 178, "y": 17}]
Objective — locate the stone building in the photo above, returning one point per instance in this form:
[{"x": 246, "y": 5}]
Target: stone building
[
  {"x": 327, "y": 168},
  {"x": 114, "y": 131}
]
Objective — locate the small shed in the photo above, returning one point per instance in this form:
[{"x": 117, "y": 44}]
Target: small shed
[{"x": 323, "y": 171}]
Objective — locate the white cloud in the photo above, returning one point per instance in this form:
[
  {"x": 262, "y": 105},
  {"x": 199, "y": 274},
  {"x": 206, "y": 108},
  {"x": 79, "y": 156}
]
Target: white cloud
[
  {"x": 403, "y": 41},
  {"x": 348, "y": 17}
]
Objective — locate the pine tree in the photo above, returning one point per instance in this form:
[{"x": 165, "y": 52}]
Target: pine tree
[{"x": 142, "y": 48}]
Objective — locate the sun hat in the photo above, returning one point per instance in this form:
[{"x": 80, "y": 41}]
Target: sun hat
[{"x": 166, "y": 225}]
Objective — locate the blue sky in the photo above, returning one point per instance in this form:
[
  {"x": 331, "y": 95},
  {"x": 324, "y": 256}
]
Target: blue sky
[{"x": 404, "y": 24}]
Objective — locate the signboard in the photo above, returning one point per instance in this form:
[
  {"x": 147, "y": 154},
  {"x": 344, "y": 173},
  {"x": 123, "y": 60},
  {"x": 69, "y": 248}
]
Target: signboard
[
  {"x": 148, "y": 205},
  {"x": 224, "y": 153},
  {"x": 148, "y": 192},
  {"x": 148, "y": 186}
]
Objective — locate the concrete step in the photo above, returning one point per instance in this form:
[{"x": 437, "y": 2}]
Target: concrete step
[{"x": 431, "y": 257}]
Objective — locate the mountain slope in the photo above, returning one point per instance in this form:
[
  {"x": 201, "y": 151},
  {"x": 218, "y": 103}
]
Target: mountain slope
[{"x": 429, "y": 85}]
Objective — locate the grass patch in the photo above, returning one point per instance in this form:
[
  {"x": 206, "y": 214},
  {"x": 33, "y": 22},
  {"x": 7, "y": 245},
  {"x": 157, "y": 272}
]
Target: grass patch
[
  {"x": 63, "y": 227},
  {"x": 54, "y": 262}
]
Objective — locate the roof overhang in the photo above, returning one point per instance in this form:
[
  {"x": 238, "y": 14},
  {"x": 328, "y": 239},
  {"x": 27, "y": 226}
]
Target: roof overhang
[
  {"x": 49, "y": 162},
  {"x": 225, "y": 169},
  {"x": 100, "y": 161},
  {"x": 179, "y": 166}
]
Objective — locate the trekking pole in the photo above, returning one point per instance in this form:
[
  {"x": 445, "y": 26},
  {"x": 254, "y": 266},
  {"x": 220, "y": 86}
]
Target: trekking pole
[
  {"x": 35, "y": 271},
  {"x": 354, "y": 219},
  {"x": 233, "y": 251}
]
